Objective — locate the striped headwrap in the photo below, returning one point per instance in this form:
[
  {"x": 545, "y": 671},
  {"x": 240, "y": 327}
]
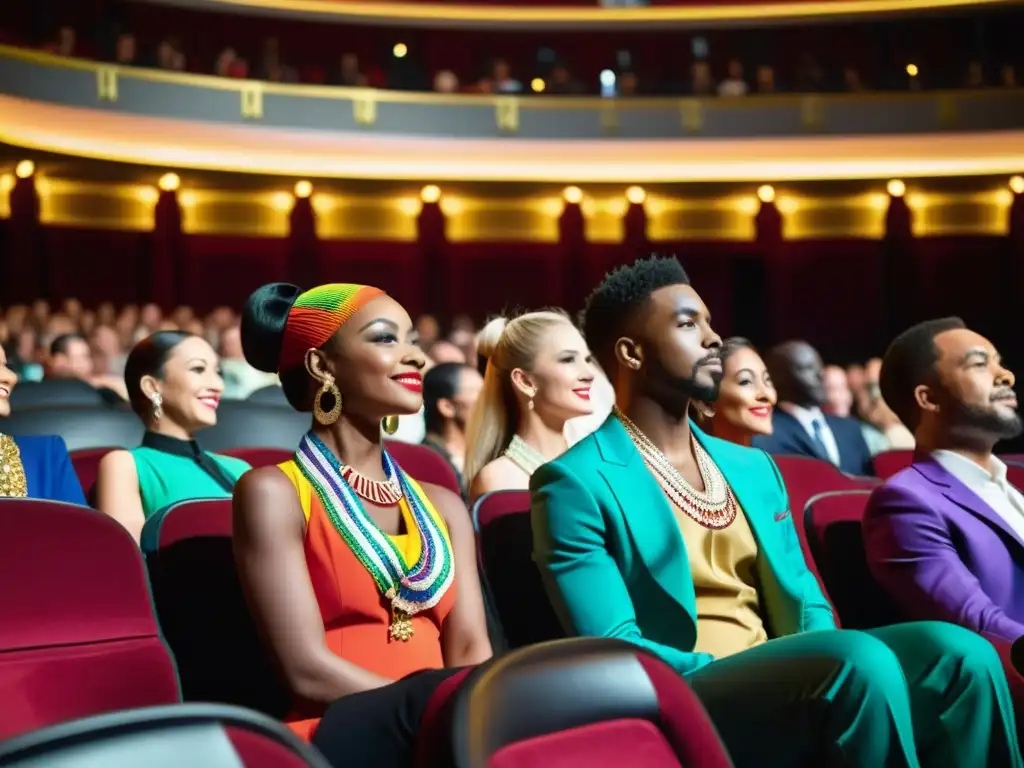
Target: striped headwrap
[{"x": 317, "y": 314}]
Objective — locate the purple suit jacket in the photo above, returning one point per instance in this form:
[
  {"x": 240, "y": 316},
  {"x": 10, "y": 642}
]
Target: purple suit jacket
[{"x": 943, "y": 554}]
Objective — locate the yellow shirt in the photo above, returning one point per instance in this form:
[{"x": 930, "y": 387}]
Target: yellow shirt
[{"x": 723, "y": 564}]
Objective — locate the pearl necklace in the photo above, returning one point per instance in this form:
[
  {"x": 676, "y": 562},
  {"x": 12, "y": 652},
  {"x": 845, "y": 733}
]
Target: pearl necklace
[
  {"x": 714, "y": 507},
  {"x": 524, "y": 456}
]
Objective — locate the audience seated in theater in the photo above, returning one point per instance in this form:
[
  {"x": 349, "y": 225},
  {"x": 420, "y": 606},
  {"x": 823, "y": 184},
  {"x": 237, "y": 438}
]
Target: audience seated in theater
[
  {"x": 945, "y": 536},
  {"x": 873, "y": 410},
  {"x": 746, "y": 396},
  {"x": 240, "y": 378},
  {"x": 174, "y": 385},
  {"x": 653, "y": 532},
  {"x": 35, "y": 467},
  {"x": 539, "y": 376},
  {"x": 450, "y": 391},
  {"x": 799, "y": 426},
  {"x": 328, "y": 542},
  {"x": 71, "y": 358}
]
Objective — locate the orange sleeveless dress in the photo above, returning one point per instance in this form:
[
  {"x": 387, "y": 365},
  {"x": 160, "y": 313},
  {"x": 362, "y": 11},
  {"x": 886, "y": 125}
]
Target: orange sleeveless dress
[{"x": 356, "y": 616}]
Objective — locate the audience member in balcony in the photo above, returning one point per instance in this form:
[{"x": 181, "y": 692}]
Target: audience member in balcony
[
  {"x": 945, "y": 537},
  {"x": 229, "y": 64},
  {"x": 746, "y": 396},
  {"x": 500, "y": 80},
  {"x": 65, "y": 44},
  {"x": 125, "y": 50},
  {"x": 1008, "y": 76},
  {"x": 450, "y": 390},
  {"x": 36, "y": 466},
  {"x": 326, "y": 541},
  {"x": 852, "y": 81},
  {"x": 446, "y": 81},
  {"x": 799, "y": 426},
  {"x": 174, "y": 386},
  {"x": 653, "y": 532},
  {"x": 974, "y": 77},
  {"x": 348, "y": 72},
  {"x": 272, "y": 68},
  {"x": 169, "y": 55},
  {"x": 539, "y": 376},
  {"x": 561, "y": 82},
  {"x": 627, "y": 84},
  {"x": 702, "y": 83},
  {"x": 765, "y": 77},
  {"x": 733, "y": 84},
  {"x": 810, "y": 77}
]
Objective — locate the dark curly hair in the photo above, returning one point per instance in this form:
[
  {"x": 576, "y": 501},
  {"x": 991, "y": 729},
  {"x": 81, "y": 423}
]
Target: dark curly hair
[
  {"x": 614, "y": 303},
  {"x": 909, "y": 362}
]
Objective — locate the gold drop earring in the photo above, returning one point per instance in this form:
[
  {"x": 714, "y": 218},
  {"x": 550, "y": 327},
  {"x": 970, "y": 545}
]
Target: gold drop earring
[{"x": 327, "y": 387}]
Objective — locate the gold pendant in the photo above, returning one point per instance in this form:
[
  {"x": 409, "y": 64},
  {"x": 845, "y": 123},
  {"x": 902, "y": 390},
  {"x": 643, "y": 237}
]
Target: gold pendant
[{"x": 401, "y": 625}]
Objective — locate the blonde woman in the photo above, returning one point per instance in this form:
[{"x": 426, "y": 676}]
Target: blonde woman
[{"x": 539, "y": 376}]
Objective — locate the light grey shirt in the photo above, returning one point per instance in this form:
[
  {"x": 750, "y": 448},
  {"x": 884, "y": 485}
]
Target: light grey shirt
[{"x": 990, "y": 486}]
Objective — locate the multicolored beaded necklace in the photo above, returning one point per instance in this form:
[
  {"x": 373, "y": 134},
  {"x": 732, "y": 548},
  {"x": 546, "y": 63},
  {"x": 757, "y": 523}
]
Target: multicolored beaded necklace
[{"x": 410, "y": 590}]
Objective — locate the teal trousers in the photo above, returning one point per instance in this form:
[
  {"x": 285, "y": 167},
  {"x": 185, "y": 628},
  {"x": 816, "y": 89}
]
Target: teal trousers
[{"x": 924, "y": 694}]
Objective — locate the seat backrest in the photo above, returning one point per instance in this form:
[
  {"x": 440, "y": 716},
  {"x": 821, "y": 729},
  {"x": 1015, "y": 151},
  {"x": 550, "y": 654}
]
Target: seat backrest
[
  {"x": 1015, "y": 474},
  {"x": 86, "y": 462},
  {"x": 81, "y": 428},
  {"x": 55, "y": 393},
  {"x": 202, "y": 608},
  {"x": 272, "y": 395},
  {"x": 260, "y": 457},
  {"x": 888, "y": 463},
  {"x": 76, "y": 618},
  {"x": 424, "y": 464},
  {"x": 245, "y": 424},
  {"x": 207, "y": 735},
  {"x": 510, "y": 577},
  {"x": 576, "y": 702},
  {"x": 833, "y": 523}
]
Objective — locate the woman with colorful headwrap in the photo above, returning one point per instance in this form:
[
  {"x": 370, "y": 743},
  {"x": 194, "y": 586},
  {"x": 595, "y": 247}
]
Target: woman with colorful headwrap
[{"x": 357, "y": 575}]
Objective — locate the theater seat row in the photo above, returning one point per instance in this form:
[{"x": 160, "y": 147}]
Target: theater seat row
[{"x": 79, "y": 641}]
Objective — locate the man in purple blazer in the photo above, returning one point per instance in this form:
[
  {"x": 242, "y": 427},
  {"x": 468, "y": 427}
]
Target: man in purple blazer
[{"x": 945, "y": 537}]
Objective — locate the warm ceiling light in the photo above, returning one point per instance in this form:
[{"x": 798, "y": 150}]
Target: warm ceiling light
[
  {"x": 303, "y": 189},
  {"x": 538, "y": 85},
  {"x": 1017, "y": 185},
  {"x": 169, "y": 182},
  {"x": 24, "y": 169},
  {"x": 912, "y": 70},
  {"x": 400, "y": 50},
  {"x": 896, "y": 188},
  {"x": 430, "y": 193},
  {"x": 766, "y": 193},
  {"x": 636, "y": 195},
  {"x": 572, "y": 195}
]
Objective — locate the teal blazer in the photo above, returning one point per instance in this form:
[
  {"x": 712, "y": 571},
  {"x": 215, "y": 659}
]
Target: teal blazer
[{"x": 612, "y": 556}]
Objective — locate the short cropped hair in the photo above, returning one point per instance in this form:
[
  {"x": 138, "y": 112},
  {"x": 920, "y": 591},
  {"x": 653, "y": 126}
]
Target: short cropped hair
[
  {"x": 622, "y": 293},
  {"x": 59, "y": 346},
  {"x": 910, "y": 362}
]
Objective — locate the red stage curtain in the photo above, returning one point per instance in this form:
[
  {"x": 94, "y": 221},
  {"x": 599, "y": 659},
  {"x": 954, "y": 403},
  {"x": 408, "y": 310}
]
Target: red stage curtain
[
  {"x": 165, "y": 279},
  {"x": 27, "y": 266}
]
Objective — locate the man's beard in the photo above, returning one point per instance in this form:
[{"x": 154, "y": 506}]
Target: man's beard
[
  {"x": 688, "y": 386},
  {"x": 975, "y": 420}
]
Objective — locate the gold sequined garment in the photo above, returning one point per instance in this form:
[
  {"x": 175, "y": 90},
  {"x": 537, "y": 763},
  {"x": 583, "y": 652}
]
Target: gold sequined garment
[{"x": 12, "y": 473}]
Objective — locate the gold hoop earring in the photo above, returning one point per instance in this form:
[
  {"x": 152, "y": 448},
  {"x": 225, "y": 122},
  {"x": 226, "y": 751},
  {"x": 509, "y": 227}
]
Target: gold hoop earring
[
  {"x": 328, "y": 387},
  {"x": 389, "y": 424}
]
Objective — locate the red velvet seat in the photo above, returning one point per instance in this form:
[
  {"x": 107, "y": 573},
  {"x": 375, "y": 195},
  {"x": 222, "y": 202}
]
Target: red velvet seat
[
  {"x": 260, "y": 457},
  {"x": 87, "y": 466},
  {"x": 202, "y": 608},
  {"x": 888, "y": 463},
  {"x": 510, "y": 578},
  {"x": 204, "y": 735},
  {"x": 425, "y": 465},
  {"x": 804, "y": 478},
  {"x": 833, "y": 521},
  {"x": 78, "y": 635},
  {"x": 582, "y": 702}
]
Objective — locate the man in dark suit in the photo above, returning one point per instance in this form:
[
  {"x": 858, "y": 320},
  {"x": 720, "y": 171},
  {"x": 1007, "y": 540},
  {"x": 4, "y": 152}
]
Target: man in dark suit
[{"x": 799, "y": 426}]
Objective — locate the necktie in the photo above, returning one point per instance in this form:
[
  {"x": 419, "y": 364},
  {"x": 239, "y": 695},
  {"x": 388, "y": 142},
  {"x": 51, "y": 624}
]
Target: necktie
[{"x": 819, "y": 441}]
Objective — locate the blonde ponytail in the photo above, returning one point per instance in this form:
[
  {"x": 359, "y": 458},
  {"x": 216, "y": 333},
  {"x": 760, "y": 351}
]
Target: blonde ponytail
[{"x": 507, "y": 345}]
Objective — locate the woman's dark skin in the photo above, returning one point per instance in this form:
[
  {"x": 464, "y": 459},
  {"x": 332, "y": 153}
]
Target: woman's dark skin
[{"x": 377, "y": 343}]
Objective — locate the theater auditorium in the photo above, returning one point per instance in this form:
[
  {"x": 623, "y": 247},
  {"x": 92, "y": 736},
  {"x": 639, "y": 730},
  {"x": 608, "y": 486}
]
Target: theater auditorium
[{"x": 511, "y": 383}]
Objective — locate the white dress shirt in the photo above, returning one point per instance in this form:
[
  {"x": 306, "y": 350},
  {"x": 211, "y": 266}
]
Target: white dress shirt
[
  {"x": 990, "y": 486},
  {"x": 807, "y": 418}
]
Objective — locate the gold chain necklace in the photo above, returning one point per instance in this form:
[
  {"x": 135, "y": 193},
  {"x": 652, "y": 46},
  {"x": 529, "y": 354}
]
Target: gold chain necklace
[
  {"x": 12, "y": 473},
  {"x": 714, "y": 507}
]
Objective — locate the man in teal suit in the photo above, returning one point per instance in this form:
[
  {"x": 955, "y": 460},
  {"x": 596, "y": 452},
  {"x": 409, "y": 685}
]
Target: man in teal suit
[{"x": 651, "y": 531}]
